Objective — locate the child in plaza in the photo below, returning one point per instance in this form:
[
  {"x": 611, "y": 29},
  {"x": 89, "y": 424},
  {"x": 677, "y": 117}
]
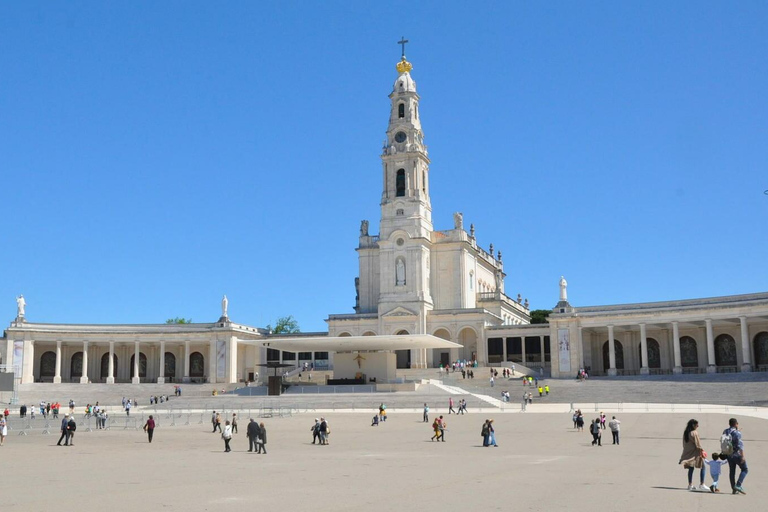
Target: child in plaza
[{"x": 715, "y": 468}]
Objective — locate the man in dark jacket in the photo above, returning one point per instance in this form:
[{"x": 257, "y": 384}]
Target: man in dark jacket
[
  {"x": 71, "y": 427},
  {"x": 252, "y": 432},
  {"x": 64, "y": 431}
]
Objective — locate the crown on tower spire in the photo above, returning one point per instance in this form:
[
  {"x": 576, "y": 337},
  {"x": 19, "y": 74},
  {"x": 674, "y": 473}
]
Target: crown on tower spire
[{"x": 403, "y": 66}]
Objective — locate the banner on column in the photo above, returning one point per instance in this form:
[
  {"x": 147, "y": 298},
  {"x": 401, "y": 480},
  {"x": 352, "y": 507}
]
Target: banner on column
[
  {"x": 564, "y": 349},
  {"x": 18, "y": 354},
  {"x": 221, "y": 359}
]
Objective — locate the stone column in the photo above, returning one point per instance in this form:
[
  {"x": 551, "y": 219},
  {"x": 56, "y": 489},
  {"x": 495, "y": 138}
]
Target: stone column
[
  {"x": 186, "y": 362},
  {"x": 231, "y": 366},
  {"x": 161, "y": 372},
  {"x": 136, "y": 363},
  {"x": 522, "y": 349},
  {"x": 711, "y": 367},
  {"x": 643, "y": 351},
  {"x": 581, "y": 348},
  {"x": 111, "y": 364},
  {"x": 678, "y": 368},
  {"x": 57, "y": 375},
  {"x": 28, "y": 362},
  {"x": 213, "y": 361},
  {"x": 503, "y": 350},
  {"x": 84, "y": 376},
  {"x": 746, "y": 352},
  {"x": 541, "y": 348},
  {"x": 611, "y": 353}
]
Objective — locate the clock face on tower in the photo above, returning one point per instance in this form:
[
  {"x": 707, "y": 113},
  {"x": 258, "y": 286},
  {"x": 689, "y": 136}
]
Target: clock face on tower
[{"x": 400, "y": 137}]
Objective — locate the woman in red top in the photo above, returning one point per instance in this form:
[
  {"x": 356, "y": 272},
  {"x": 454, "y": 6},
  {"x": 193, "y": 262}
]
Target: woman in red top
[{"x": 149, "y": 427}]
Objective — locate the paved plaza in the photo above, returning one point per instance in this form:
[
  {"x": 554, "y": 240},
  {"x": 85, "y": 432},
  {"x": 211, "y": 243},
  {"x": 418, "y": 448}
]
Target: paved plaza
[{"x": 541, "y": 464}]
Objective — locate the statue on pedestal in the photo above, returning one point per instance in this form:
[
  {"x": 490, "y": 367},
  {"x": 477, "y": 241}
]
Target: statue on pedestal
[
  {"x": 364, "y": 228},
  {"x": 400, "y": 273},
  {"x": 20, "y": 305},
  {"x": 458, "y": 220},
  {"x": 224, "y": 304},
  {"x": 563, "y": 289}
]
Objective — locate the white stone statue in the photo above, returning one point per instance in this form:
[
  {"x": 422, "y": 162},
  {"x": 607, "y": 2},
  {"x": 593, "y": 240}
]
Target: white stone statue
[
  {"x": 563, "y": 289},
  {"x": 400, "y": 273},
  {"x": 458, "y": 220},
  {"x": 364, "y": 228},
  {"x": 20, "y": 305},
  {"x": 224, "y": 304}
]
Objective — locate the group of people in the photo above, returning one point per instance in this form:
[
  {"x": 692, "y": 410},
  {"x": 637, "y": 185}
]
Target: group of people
[
  {"x": 320, "y": 431},
  {"x": 458, "y": 365},
  {"x": 731, "y": 452},
  {"x": 462, "y": 406},
  {"x": 68, "y": 428},
  {"x": 129, "y": 404},
  {"x": 154, "y": 400}
]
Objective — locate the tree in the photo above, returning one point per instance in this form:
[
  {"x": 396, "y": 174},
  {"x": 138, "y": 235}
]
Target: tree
[
  {"x": 179, "y": 320},
  {"x": 284, "y": 325},
  {"x": 539, "y": 316}
]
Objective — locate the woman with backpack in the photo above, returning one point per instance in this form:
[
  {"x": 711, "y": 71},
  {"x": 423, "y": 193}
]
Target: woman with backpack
[
  {"x": 594, "y": 429},
  {"x": 693, "y": 455}
]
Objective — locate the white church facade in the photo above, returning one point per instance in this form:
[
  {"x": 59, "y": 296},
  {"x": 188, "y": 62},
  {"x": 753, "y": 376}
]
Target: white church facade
[{"x": 414, "y": 279}]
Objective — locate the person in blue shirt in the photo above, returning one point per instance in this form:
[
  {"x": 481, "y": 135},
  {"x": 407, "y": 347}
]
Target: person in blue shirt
[{"x": 737, "y": 457}]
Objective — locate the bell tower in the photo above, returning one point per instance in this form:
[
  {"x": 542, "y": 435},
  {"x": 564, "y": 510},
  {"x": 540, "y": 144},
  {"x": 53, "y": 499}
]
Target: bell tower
[{"x": 405, "y": 201}]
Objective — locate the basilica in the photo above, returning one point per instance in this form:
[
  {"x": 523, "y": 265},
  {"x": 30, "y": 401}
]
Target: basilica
[{"x": 414, "y": 279}]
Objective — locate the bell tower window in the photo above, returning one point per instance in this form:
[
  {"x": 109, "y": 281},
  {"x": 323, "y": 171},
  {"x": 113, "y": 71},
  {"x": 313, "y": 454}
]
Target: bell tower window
[
  {"x": 400, "y": 183},
  {"x": 401, "y": 110}
]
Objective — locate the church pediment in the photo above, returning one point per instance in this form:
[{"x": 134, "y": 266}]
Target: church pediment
[{"x": 398, "y": 312}]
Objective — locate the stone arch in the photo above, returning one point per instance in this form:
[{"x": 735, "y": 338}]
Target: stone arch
[
  {"x": 654, "y": 353},
  {"x": 48, "y": 364},
  {"x": 170, "y": 365},
  {"x": 760, "y": 343},
  {"x": 403, "y": 356},
  {"x": 441, "y": 356},
  {"x": 369, "y": 333},
  {"x": 105, "y": 365},
  {"x": 725, "y": 350},
  {"x": 344, "y": 334},
  {"x": 619, "y": 349},
  {"x": 689, "y": 352},
  {"x": 196, "y": 365},
  {"x": 442, "y": 333},
  {"x": 142, "y": 365},
  {"x": 76, "y": 365},
  {"x": 468, "y": 339}
]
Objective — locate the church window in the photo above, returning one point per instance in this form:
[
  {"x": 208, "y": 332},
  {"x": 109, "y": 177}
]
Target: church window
[
  {"x": 471, "y": 281},
  {"x": 401, "y": 110},
  {"x": 400, "y": 183}
]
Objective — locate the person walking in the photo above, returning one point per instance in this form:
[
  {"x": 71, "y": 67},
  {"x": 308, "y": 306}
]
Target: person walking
[
  {"x": 426, "y": 413},
  {"x": 149, "y": 427},
  {"x": 602, "y": 420},
  {"x": 323, "y": 431},
  {"x": 594, "y": 429},
  {"x": 234, "y": 423},
  {"x": 492, "y": 435},
  {"x": 450, "y": 406},
  {"x": 693, "y": 455},
  {"x": 262, "y": 444},
  {"x": 615, "y": 426},
  {"x": 64, "y": 431},
  {"x": 128, "y": 406},
  {"x": 316, "y": 431},
  {"x": 71, "y": 427},
  {"x": 226, "y": 435},
  {"x": 736, "y": 457},
  {"x": 217, "y": 422},
  {"x": 252, "y": 431},
  {"x": 3, "y": 429},
  {"x": 443, "y": 427},
  {"x": 579, "y": 422},
  {"x": 436, "y": 430}
]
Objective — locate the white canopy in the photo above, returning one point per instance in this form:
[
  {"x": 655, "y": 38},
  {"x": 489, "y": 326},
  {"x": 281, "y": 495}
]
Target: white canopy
[{"x": 358, "y": 343}]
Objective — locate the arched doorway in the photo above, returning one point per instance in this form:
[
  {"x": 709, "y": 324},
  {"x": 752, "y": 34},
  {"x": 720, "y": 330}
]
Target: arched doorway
[
  {"x": 170, "y": 366},
  {"x": 689, "y": 353},
  {"x": 196, "y": 365},
  {"x": 403, "y": 356},
  {"x": 48, "y": 365},
  {"x": 441, "y": 356},
  {"x": 369, "y": 333},
  {"x": 725, "y": 350},
  {"x": 76, "y": 365},
  {"x": 344, "y": 335},
  {"x": 654, "y": 353},
  {"x": 468, "y": 339},
  {"x": 105, "y": 365},
  {"x": 142, "y": 365},
  {"x": 619, "y": 350},
  {"x": 761, "y": 348}
]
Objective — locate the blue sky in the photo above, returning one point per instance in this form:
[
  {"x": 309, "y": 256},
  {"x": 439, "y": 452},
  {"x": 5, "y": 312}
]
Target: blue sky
[{"x": 156, "y": 155}]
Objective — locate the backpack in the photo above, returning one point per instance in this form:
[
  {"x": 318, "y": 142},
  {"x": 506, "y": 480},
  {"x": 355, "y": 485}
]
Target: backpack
[{"x": 726, "y": 443}]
